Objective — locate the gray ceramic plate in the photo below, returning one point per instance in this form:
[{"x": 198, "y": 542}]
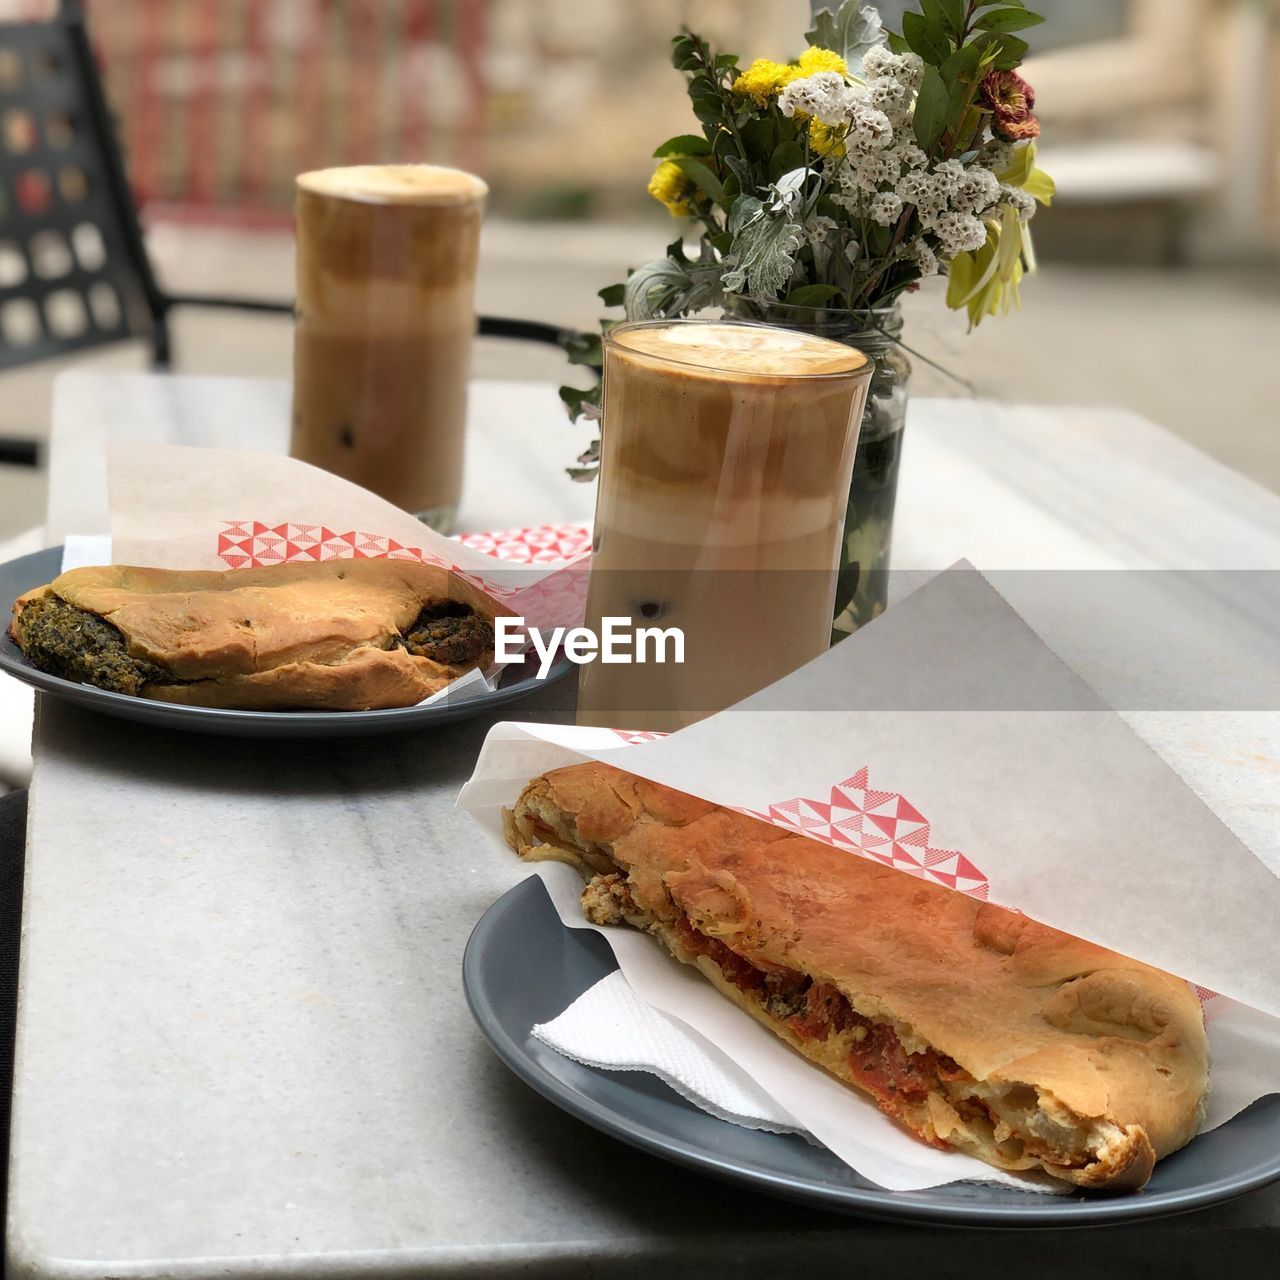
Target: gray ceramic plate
[
  {"x": 523, "y": 966},
  {"x": 30, "y": 571}
]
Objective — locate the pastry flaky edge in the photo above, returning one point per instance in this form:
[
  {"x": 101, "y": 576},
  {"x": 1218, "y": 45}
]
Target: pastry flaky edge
[
  {"x": 978, "y": 1029},
  {"x": 314, "y": 635}
]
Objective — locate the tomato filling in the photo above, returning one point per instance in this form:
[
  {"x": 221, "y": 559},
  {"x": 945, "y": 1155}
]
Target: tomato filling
[{"x": 814, "y": 1010}]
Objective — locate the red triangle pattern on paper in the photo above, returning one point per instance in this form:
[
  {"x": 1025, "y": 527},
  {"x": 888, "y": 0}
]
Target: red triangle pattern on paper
[
  {"x": 881, "y": 825},
  {"x": 547, "y": 600}
]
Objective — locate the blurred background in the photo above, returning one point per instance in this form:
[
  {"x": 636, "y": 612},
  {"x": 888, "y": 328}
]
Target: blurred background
[{"x": 1159, "y": 288}]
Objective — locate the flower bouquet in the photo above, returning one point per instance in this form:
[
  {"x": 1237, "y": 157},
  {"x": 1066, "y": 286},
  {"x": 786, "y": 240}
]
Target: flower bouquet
[{"x": 827, "y": 187}]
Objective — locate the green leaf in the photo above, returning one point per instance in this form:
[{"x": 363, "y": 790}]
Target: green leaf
[
  {"x": 726, "y": 60},
  {"x": 850, "y": 31},
  {"x": 742, "y": 171},
  {"x": 611, "y": 295},
  {"x": 1006, "y": 51},
  {"x": 758, "y": 138},
  {"x": 671, "y": 286},
  {"x": 700, "y": 176},
  {"x": 933, "y": 108},
  {"x": 846, "y": 588},
  {"x": 960, "y": 75},
  {"x": 963, "y": 64},
  {"x": 721, "y": 243},
  {"x": 811, "y": 295},
  {"x": 948, "y": 13},
  {"x": 790, "y": 155},
  {"x": 684, "y": 144},
  {"x": 684, "y": 54},
  {"x": 1009, "y": 19},
  {"x": 764, "y": 249},
  {"x": 575, "y": 399},
  {"x": 584, "y": 348},
  {"x": 927, "y": 38},
  {"x": 896, "y": 43},
  {"x": 708, "y": 108}
]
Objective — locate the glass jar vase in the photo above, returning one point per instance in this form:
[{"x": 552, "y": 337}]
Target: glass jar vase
[{"x": 868, "y": 530}]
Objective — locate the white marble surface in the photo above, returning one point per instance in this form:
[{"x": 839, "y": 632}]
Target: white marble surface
[{"x": 243, "y": 1047}]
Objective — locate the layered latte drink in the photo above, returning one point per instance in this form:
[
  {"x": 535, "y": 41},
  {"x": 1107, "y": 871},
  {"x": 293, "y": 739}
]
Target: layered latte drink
[
  {"x": 727, "y": 454},
  {"x": 386, "y": 313}
]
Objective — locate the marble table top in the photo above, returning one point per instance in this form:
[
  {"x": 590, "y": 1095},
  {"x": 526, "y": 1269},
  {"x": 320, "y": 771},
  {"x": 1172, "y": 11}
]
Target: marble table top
[{"x": 243, "y": 1048}]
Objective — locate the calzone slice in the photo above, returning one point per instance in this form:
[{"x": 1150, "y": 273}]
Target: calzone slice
[
  {"x": 337, "y": 635},
  {"x": 978, "y": 1029}
]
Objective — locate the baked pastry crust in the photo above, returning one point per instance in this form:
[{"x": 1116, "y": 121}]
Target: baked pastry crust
[
  {"x": 977, "y": 1028},
  {"x": 325, "y": 635}
]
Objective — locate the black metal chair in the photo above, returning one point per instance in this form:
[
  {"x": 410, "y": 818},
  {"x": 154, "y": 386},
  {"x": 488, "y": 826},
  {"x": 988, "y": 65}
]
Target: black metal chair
[{"x": 74, "y": 270}]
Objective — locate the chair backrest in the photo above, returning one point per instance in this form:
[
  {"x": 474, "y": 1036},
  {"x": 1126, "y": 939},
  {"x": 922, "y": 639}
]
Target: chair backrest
[{"x": 73, "y": 268}]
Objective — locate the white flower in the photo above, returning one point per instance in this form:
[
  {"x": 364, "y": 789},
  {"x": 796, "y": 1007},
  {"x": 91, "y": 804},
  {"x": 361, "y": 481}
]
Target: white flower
[
  {"x": 875, "y": 60},
  {"x": 959, "y": 232},
  {"x": 977, "y": 190},
  {"x": 818, "y": 228},
  {"x": 910, "y": 156},
  {"x": 878, "y": 64},
  {"x": 869, "y": 129},
  {"x": 865, "y": 172},
  {"x": 886, "y": 208},
  {"x": 823, "y": 95},
  {"x": 852, "y": 249},
  {"x": 996, "y": 155},
  {"x": 948, "y": 176},
  {"x": 1020, "y": 200},
  {"x": 925, "y": 259},
  {"x": 816, "y": 231},
  {"x": 973, "y": 233},
  {"x": 892, "y": 97},
  {"x": 920, "y": 189}
]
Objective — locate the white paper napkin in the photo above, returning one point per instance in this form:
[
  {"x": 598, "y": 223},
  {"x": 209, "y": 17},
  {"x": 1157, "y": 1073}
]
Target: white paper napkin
[{"x": 610, "y": 1027}]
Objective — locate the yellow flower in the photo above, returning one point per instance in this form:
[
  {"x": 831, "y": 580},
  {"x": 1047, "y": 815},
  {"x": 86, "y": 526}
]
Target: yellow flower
[
  {"x": 812, "y": 61},
  {"x": 825, "y": 140},
  {"x": 763, "y": 80},
  {"x": 670, "y": 187}
]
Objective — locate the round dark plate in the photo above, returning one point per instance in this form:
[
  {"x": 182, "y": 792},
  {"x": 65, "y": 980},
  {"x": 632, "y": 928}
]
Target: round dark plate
[
  {"x": 17, "y": 576},
  {"x": 522, "y": 966}
]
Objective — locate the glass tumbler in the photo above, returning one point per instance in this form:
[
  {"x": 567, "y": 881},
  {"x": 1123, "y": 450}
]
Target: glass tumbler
[
  {"x": 385, "y": 320},
  {"x": 727, "y": 452}
]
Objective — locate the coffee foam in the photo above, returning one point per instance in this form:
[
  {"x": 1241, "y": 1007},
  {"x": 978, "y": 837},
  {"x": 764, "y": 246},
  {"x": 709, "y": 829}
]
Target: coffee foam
[
  {"x": 412, "y": 184},
  {"x": 741, "y": 348}
]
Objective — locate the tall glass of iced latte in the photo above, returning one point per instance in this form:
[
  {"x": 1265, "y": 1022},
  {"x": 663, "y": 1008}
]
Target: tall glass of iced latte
[
  {"x": 727, "y": 451},
  {"x": 386, "y": 313}
]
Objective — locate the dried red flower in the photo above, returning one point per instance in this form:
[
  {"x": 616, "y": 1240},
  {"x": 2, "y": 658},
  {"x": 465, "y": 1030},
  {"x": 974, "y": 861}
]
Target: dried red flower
[{"x": 1011, "y": 100}]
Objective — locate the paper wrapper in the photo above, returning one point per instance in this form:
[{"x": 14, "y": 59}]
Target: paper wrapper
[
  {"x": 175, "y": 507},
  {"x": 1064, "y": 814}
]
